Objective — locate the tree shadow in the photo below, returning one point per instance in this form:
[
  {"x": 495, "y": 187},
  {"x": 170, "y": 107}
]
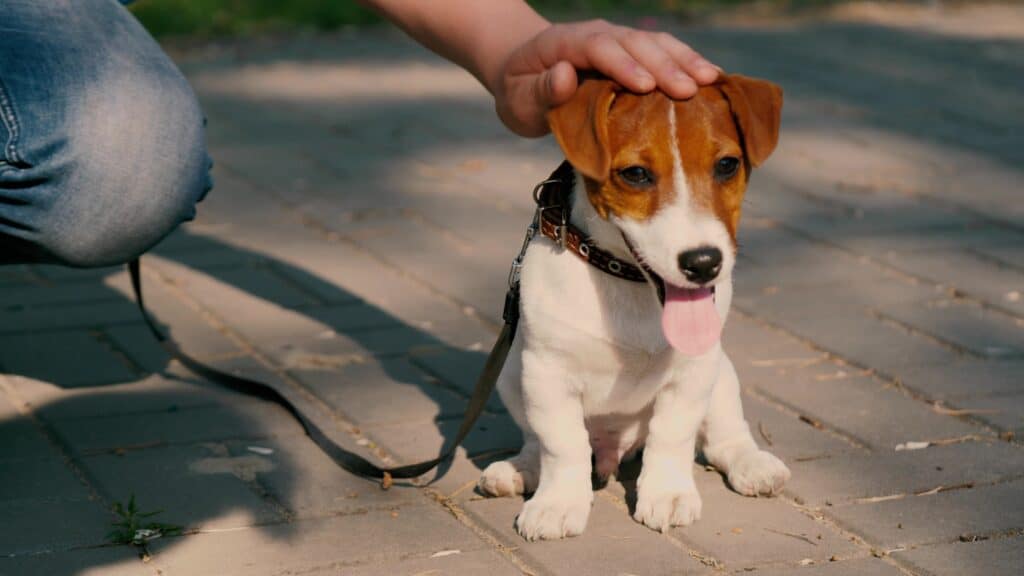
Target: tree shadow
[{"x": 183, "y": 445}]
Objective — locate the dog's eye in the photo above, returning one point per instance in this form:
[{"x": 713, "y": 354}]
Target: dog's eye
[
  {"x": 726, "y": 167},
  {"x": 637, "y": 176}
]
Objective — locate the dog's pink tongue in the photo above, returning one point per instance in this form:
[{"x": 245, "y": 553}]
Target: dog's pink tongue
[{"x": 689, "y": 320}]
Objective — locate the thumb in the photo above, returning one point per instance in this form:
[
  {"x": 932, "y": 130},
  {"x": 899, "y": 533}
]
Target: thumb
[{"x": 555, "y": 85}]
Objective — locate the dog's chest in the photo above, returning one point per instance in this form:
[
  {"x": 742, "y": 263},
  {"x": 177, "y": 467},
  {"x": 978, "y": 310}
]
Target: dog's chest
[{"x": 606, "y": 330}]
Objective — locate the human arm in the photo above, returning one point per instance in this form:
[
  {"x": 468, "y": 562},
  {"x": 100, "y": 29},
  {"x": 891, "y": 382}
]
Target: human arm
[{"x": 529, "y": 64}]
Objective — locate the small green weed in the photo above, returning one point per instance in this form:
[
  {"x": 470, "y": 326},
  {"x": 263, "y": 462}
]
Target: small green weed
[{"x": 132, "y": 528}]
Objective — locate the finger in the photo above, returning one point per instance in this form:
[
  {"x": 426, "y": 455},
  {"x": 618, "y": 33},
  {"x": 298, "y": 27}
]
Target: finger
[
  {"x": 695, "y": 65},
  {"x": 606, "y": 55},
  {"x": 561, "y": 83},
  {"x": 565, "y": 42},
  {"x": 653, "y": 57}
]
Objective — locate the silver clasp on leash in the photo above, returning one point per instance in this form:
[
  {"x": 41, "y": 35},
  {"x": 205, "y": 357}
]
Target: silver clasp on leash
[{"x": 517, "y": 262}]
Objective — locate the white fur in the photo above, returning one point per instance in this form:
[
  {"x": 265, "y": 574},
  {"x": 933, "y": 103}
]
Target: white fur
[{"x": 591, "y": 370}]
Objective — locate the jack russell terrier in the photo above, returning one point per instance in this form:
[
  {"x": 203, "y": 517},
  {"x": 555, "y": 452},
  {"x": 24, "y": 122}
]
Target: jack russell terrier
[{"x": 618, "y": 347}]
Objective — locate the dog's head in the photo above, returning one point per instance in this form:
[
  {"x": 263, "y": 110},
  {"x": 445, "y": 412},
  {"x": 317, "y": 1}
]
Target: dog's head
[{"x": 671, "y": 176}]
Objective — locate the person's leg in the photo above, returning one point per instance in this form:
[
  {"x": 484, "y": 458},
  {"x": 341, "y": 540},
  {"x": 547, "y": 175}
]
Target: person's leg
[{"x": 102, "y": 149}]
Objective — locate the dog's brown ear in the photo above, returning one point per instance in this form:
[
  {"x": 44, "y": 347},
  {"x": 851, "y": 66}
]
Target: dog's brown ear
[
  {"x": 757, "y": 107},
  {"x": 581, "y": 127}
]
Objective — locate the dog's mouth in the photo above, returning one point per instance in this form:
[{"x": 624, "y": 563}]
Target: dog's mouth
[{"x": 689, "y": 319}]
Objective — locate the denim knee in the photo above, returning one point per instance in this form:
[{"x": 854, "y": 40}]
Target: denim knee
[{"x": 132, "y": 167}]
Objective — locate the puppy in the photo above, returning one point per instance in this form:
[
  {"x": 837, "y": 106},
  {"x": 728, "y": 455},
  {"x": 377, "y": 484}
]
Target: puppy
[{"x": 602, "y": 366}]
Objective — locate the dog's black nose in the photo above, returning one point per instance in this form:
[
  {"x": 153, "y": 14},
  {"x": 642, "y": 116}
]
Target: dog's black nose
[{"x": 701, "y": 265}]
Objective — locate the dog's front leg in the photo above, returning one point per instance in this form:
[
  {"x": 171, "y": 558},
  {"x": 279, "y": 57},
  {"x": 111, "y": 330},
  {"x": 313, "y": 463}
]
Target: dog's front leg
[
  {"x": 666, "y": 493},
  {"x": 729, "y": 445},
  {"x": 554, "y": 410}
]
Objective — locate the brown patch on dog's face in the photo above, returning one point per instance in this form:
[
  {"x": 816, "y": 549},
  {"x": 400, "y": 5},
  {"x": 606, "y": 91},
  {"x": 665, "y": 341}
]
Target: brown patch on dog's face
[
  {"x": 634, "y": 141},
  {"x": 625, "y": 147}
]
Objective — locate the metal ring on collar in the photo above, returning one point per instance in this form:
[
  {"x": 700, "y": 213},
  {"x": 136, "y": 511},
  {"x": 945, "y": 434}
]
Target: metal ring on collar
[
  {"x": 614, "y": 266},
  {"x": 540, "y": 186}
]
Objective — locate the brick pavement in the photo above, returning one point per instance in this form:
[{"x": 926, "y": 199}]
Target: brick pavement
[{"x": 354, "y": 254}]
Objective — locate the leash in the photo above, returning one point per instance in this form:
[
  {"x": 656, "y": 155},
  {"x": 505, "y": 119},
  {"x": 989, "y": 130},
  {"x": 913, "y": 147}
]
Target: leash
[{"x": 485, "y": 383}]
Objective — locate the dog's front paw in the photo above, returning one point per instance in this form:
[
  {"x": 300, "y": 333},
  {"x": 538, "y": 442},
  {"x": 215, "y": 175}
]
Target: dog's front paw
[
  {"x": 661, "y": 510},
  {"x": 552, "y": 514},
  {"x": 758, "y": 473}
]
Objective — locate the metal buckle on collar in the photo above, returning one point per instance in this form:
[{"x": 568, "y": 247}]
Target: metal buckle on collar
[{"x": 561, "y": 229}]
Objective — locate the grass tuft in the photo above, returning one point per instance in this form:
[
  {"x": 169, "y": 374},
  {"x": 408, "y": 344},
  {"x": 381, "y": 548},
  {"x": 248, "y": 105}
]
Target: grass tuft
[{"x": 131, "y": 527}]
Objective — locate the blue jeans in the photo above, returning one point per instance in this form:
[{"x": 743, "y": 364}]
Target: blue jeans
[{"x": 102, "y": 147}]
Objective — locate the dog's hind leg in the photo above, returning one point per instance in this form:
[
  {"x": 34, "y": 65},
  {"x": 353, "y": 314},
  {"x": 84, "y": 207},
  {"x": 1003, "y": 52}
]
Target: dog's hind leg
[
  {"x": 517, "y": 475},
  {"x": 729, "y": 446}
]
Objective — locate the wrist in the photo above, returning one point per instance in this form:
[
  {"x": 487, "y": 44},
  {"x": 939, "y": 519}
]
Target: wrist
[{"x": 500, "y": 39}]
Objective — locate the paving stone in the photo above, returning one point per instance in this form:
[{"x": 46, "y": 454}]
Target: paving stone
[
  {"x": 40, "y": 478},
  {"x": 476, "y": 562},
  {"x": 37, "y": 526},
  {"x": 356, "y": 316},
  {"x": 142, "y": 348},
  {"x": 934, "y": 518},
  {"x": 38, "y": 296},
  {"x": 612, "y": 543},
  {"x": 419, "y": 441},
  {"x": 995, "y": 557},
  {"x": 277, "y": 330},
  {"x": 199, "y": 487},
  {"x": 330, "y": 269},
  {"x": 120, "y": 561},
  {"x": 16, "y": 276},
  {"x": 178, "y": 320},
  {"x": 22, "y": 439},
  {"x": 384, "y": 391},
  {"x": 1006, "y": 413},
  {"x": 52, "y": 318},
  {"x": 1008, "y": 252},
  {"x": 974, "y": 276},
  {"x": 459, "y": 368},
  {"x": 376, "y": 342},
  {"x": 839, "y": 324},
  {"x": 309, "y": 484},
  {"x": 66, "y": 274},
  {"x": 311, "y": 281},
  {"x": 330, "y": 544},
  {"x": 858, "y": 567},
  {"x": 426, "y": 255},
  {"x": 842, "y": 478},
  {"x": 152, "y": 394},
  {"x": 750, "y": 343},
  {"x": 266, "y": 284},
  {"x": 863, "y": 407},
  {"x": 237, "y": 307},
  {"x": 68, "y": 359},
  {"x": 746, "y": 532},
  {"x": 984, "y": 332},
  {"x": 964, "y": 378},
  {"x": 790, "y": 438},
  {"x": 244, "y": 419}
]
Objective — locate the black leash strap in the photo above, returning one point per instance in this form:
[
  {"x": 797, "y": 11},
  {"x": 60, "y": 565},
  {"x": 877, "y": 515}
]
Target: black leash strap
[
  {"x": 561, "y": 179},
  {"x": 351, "y": 461}
]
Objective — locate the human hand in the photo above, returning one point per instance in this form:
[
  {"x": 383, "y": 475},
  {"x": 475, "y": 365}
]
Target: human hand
[{"x": 541, "y": 73}]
